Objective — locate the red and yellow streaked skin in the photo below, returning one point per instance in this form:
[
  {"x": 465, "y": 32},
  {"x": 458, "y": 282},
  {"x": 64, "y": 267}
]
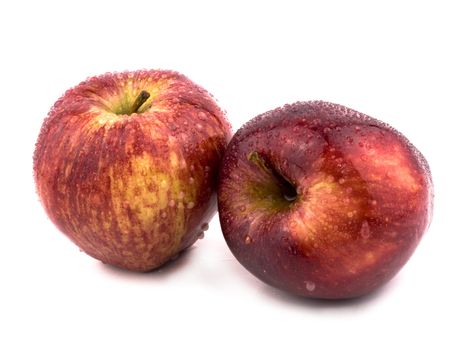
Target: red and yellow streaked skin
[
  {"x": 364, "y": 200},
  {"x": 131, "y": 190}
]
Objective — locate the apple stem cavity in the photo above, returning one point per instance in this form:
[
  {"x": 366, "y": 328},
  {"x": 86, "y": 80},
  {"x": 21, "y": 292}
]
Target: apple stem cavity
[
  {"x": 289, "y": 193},
  {"x": 142, "y": 97}
]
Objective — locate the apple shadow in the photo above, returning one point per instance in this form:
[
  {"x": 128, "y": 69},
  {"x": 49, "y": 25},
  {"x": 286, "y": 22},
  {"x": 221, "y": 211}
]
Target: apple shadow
[
  {"x": 351, "y": 303},
  {"x": 166, "y": 270},
  {"x": 268, "y": 292}
]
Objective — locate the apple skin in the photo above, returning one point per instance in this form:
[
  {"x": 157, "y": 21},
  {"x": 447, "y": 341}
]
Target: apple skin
[
  {"x": 131, "y": 184},
  {"x": 322, "y": 201}
]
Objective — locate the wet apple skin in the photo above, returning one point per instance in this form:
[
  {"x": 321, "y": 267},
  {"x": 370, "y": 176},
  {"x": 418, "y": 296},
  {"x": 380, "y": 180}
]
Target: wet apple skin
[{"x": 364, "y": 200}]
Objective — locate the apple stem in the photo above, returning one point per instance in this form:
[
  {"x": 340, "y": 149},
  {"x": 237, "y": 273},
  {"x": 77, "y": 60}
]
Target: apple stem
[
  {"x": 287, "y": 189},
  {"x": 142, "y": 97}
]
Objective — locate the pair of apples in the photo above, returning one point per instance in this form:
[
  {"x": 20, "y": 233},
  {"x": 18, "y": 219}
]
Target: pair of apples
[{"x": 314, "y": 198}]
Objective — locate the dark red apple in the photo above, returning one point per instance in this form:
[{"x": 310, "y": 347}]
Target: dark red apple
[
  {"x": 323, "y": 201},
  {"x": 126, "y": 165}
]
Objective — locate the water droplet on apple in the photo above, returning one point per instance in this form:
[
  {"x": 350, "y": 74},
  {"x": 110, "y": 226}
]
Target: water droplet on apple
[
  {"x": 373, "y": 202},
  {"x": 163, "y": 215},
  {"x": 171, "y": 203},
  {"x": 228, "y": 219},
  {"x": 207, "y": 168},
  {"x": 192, "y": 167},
  {"x": 199, "y": 126},
  {"x": 341, "y": 181},
  {"x": 200, "y": 235},
  {"x": 357, "y": 128},
  {"x": 205, "y": 226},
  {"x": 310, "y": 286},
  {"x": 181, "y": 195},
  {"x": 248, "y": 239},
  {"x": 190, "y": 205},
  {"x": 191, "y": 180},
  {"x": 292, "y": 250},
  {"x": 365, "y": 230}
]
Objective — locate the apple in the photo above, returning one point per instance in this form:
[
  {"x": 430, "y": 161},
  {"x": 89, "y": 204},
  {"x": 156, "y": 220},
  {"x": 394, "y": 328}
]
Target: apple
[
  {"x": 322, "y": 201},
  {"x": 126, "y": 165}
]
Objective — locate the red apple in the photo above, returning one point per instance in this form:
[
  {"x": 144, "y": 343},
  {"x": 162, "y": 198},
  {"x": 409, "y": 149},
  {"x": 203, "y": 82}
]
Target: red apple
[
  {"x": 323, "y": 201},
  {"x": 126, "y": 164}
]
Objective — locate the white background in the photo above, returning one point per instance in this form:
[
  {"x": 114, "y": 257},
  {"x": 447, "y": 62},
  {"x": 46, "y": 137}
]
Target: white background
[{"x": 402, "y": 62}]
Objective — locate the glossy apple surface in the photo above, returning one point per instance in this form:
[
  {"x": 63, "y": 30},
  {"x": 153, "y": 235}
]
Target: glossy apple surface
[
  {"x": 322, "y": 201},
  {"x": 126, "y": 165}
]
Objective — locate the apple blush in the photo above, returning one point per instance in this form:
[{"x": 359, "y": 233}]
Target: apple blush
[
  {"x": 322, "y": 201},
  {"x": 126, "y": 165}
]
